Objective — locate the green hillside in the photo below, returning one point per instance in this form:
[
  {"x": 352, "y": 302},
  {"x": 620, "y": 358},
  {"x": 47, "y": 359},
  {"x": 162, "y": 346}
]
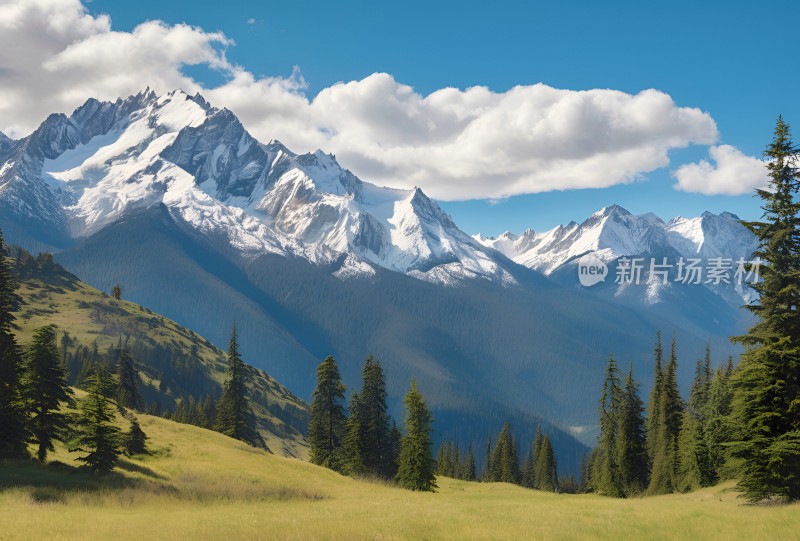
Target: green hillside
[
  {"x": 199, "y": 484},
  {"x": 175, "y": 363}
]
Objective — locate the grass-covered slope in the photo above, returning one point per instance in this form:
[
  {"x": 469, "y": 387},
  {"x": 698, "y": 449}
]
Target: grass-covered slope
[
  {"x": 175, "y": 363},
  {"x": 200, "y": 485}
]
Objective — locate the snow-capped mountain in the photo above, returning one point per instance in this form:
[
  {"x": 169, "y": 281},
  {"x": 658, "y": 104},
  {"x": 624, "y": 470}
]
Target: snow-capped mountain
[
  {"x": 176, "y": 201},
  {"x": 613, "y": 232},
  {"x": 77, "y": 174}
]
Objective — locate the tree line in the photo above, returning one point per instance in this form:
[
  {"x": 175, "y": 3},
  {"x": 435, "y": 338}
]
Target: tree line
[
  {"x": 502, "y": 464},
  {"x": 363, "y": 441},
  {"x": 741, "y": 422}
]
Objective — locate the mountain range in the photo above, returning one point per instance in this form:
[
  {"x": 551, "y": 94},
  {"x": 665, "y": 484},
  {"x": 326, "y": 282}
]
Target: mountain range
[{"x": 175, "y": 200}]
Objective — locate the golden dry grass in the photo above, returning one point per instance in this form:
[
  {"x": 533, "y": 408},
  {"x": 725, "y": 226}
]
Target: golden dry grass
[{"x": 201, "y": 485}]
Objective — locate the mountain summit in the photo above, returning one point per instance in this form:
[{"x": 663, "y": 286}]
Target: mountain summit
[{"x": 75, "y": 175}]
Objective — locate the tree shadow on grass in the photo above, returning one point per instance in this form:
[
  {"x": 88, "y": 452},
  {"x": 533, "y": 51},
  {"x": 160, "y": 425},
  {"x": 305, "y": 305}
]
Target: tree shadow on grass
[
  {"x": 132, "y": 467},
  {"x": 57, "y": 475}
]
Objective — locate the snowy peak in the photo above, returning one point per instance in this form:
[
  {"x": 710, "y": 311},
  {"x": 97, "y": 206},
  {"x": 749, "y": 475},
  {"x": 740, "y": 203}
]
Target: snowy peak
[{"x": 87, "y": 170}]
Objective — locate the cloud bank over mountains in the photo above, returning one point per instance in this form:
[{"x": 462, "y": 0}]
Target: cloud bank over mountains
[{"x": 455, "y": 144}]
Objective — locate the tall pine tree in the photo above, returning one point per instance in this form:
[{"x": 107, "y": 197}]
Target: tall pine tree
[
  {"x": 233, "y": 417},
  {"x": 13, "y": 414},
  {"x": 717, "y": 431},
  {"x": 664, "y": 470},
  {"x": 375, "y": 440},
  {"x": 766, "y": 407},
  {"x": 546, "y": 470},
  {"x": 353, "y": 444},
  {"x": 128, "y": 395},
  {"x": 46, "y": 389},
  {"x": 654, "y": 404},
  {"x": 98, "y": 436},
  {"x": 417, "y": 467},
  {"x": 631, "y": 447},
  {"x": 326, "y": 428},
  {"x": 505, "y": 462},
  {"x": 606, "y": 478}
]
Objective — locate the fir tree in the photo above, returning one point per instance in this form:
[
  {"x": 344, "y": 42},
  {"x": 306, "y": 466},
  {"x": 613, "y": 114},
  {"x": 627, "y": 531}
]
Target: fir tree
[
  {"x": 487, "y": 460},
  {"x": 98, "y": 437},
  {"x": 443, "y": 459},
  {"x": 717, "y": 431},
  {"x": 326, "y": 427},
  {"x": 606, "y": 477},
  {"x": 417, "y": 467},
  {"x": 233, "y": 413},
  {"x": 353, "y": 444},
  {"x": 395, "y": 439},
  {"x": 663, "y": 477},
  {"x": 116, "y": 291},
  {"x": 470, "y": 471},
  {"x": 654, "y": 404},
  {"x": 766, "y": 407},
  {"x": 546, "y": 469},
  {"x": 631, "y": 447},
  {"x": 695, "y": 468},
  {"x": 46, "y": 389},
  {"x": 128, "y": 395},
  {"x": 505, "y": 462},
  {"x": 13, "y": 414},
  {"x": 135, "y": 440},
  {"x": 374, "y": 420}
]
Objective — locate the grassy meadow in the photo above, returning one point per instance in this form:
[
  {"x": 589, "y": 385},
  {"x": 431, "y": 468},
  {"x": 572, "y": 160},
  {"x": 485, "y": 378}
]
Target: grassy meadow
[{"x": 197, "y": 484}]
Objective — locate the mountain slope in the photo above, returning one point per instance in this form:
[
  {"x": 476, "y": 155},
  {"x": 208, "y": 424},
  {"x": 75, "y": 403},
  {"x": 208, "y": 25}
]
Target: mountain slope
[{"x": 175, "y": 363}]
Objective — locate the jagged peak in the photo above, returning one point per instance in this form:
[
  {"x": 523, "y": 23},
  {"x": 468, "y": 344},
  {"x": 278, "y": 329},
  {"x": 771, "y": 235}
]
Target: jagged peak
[{"x": 612, "y": 209}]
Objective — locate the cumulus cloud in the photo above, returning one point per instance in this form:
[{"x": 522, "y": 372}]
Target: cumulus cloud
[
  {"x": 732, "y": 173},
  {"x": 54, "y": 55},
  {"x": 454, "y": 143}
]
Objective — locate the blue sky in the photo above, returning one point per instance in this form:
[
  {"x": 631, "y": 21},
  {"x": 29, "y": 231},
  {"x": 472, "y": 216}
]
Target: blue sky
[{"x": 721, "y": 57}]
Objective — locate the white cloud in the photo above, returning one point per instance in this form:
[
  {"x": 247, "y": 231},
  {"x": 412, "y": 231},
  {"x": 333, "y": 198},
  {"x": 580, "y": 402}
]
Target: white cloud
[
  {"x": 455, "y": 144},
  {"x": 732, "y": 173},
  {"x": 54, "y": 55}
]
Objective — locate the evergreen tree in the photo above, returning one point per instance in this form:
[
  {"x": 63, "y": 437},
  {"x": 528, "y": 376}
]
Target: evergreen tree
[
  {"x": 546, "y": 469},
  {"x": 695, "y": 468},
  {"x": 766, "y": 407},
  {"x": 505, "y": 462},
  {"x": 663, "y": 477},
  {"x": 116, "y": 291},
  {"x": 631, "y": 447},
  {"x": 717, "y": 431},
  {"x": 98, "y": 436},
  {"x": 353, "y": 444},
  {"x": 128, "y": 395},
  {"x": 487, "y": 460},
  {"x": 375, "y": 420},
  {"x": 416, "y": 469},
  {"x": 654, "y": 404},
  {"x": 135, "y": 441},
  {"x": 443, "y": 466},
  {"x": 396, "y": 438},
  {"x": 606, "y": 477},
  {"x": 470, "y": 471},
  {"x": 46, "y": 389},
  {"x": 233, "y": 413},
  {"x": 529, "y": 470},
  {"x": 13, "y": 414},
  {"x": 326, "y": 427}
]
